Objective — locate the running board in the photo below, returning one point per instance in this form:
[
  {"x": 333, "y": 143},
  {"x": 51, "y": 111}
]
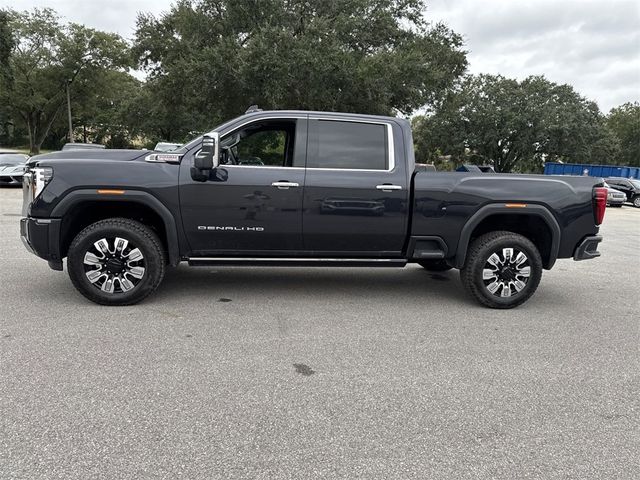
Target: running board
[{"x": 298, "y": 262}]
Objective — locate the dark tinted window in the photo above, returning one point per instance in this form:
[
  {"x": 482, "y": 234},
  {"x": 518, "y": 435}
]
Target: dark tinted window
[
  {"x": 615, "y": 181},
  {"x": 348, "y": 145}
]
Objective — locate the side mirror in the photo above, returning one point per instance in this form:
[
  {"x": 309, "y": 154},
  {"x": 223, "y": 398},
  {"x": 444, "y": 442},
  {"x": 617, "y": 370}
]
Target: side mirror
[{"x": 207, "y": 157}]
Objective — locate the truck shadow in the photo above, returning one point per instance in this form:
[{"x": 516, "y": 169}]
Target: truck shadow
[{"x": 238, "y": 283}]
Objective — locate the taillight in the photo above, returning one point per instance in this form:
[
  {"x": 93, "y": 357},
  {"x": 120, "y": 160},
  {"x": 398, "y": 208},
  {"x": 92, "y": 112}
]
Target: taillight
[{"x": 599, "y": 204}]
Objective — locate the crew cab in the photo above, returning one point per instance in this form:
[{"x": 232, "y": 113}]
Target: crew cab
[{"x": 306, "y": 189}]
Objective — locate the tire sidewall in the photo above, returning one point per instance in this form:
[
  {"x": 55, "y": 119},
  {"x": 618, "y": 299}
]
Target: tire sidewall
[
  {"x": 85, "y": 240},
  {"x": 535, "y": 261}
]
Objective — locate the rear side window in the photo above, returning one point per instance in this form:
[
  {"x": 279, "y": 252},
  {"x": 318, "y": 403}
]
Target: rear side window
[{"x": 348, "y": 145}]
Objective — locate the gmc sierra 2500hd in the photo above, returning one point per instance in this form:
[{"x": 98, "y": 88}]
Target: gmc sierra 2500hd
[{"x": 300, "y": 188}]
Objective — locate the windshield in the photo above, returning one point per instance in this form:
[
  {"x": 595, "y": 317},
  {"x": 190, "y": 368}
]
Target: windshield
[
  {"x": 187, "y": 146},
  {"x": 12, "y": 159},
  {"x": 635, "y": 183}
]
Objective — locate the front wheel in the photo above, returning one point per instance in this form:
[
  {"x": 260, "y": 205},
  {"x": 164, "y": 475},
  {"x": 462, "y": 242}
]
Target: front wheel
[
  {"x": 502, "y": 269},
  {"x": 636, "y": 201},
  {"x": 116, "y": 261}
]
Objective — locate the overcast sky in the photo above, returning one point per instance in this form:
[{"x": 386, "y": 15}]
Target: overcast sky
[{"x": 592, "y": 45}]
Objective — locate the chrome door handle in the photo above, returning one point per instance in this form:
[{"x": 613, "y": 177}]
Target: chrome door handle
[
  {"x": 284, "y": 185},
  {"x": 389, "y": 188}
]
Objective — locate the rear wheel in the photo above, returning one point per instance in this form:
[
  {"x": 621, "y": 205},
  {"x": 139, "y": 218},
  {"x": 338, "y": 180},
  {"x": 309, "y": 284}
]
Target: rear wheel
[
  {"x": 502, "y": 270},
  {"x": 116, "y": 262},
  {"x": 435, "y": 265}
]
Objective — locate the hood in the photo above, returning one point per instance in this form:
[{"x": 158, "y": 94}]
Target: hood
[
  {"x": 12, "y": 168},
  {"x": 91, "y": 155}
]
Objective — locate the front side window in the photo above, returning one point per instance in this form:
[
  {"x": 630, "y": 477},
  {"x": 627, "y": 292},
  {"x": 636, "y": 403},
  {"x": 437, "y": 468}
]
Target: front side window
[
  {"x": 259, "y": 144},
  {"x": 348, "y": 145}
]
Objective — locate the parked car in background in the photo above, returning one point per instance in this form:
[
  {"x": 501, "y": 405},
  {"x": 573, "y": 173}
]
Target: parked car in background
[
  {"x": 425, "y": 167},
  {"x": 166, "y": 146},
  {"x": 476, "y": 169},
  {"x": 12, "y": 167},
  {"x": 629, "y": 186},
  {"x": 82, "y": 146},
  {"x": 615, "y": 198}
]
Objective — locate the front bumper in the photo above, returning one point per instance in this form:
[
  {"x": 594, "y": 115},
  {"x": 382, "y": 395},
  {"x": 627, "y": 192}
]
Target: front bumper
[
  {"x": 41, "y": 236},
  {"x": 588, "y": 248}
]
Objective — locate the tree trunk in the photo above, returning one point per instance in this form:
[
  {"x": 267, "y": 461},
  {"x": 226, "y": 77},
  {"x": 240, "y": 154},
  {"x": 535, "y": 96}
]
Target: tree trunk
[
  {"x": 38, "y": 134},
  {"x": 31, "y": 128}
]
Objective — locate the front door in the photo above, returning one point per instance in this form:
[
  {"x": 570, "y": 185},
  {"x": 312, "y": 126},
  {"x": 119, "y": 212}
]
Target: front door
[{"x": 252, "y": 202}]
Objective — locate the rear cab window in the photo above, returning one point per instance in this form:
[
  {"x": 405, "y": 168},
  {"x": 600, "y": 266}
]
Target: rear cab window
[{"x": 349, "y": 145}]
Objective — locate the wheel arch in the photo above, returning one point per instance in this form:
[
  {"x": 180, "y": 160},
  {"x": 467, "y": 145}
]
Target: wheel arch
[
  {"x": 81, "y": 208},
  {"x": 535, "y": 222}
]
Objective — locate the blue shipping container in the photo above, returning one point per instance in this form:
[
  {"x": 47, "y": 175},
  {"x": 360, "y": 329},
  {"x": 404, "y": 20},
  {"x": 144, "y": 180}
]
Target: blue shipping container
[{"x": 593, "y": 170}]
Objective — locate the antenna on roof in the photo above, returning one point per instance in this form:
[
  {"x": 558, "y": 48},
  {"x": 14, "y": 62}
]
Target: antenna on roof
[{"x": 253, "y": 109}]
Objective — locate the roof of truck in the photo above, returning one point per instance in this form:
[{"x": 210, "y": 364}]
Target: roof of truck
[{"x": 274, "y": 114}]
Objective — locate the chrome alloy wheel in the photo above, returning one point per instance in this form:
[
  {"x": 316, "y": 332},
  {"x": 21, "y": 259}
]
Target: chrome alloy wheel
[
  {"x": 506, "y": 273},
  {"x": 114, "y": 265}
]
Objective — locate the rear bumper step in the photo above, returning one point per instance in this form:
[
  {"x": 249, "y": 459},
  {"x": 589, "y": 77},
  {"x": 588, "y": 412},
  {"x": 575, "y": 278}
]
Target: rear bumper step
[{"x": 588, "y": 248}]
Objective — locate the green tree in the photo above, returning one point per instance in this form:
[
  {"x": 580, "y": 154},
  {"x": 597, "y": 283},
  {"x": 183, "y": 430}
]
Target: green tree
[
  {"x": 102, "y": 115},
  {"x": 6, "y": 45},
  {"x": 624, "y": 122},
  {"x": 208, "y": 60},
  {"x": 45, "y": 57},
  {"x": 514, "y": 126}
]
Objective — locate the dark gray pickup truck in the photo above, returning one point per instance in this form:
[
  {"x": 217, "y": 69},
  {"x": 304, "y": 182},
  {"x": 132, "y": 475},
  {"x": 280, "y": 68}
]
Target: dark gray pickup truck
[{"x": 300, "y": 188}]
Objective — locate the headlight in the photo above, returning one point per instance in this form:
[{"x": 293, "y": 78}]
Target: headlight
[
  {"x": 41, "y": 176},
  {"x": 19, "y": 169}
]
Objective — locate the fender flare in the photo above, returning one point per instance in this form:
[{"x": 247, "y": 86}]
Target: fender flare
[
  {"x": 493, "y": 209},
  {"x": 137, "y": 196}
]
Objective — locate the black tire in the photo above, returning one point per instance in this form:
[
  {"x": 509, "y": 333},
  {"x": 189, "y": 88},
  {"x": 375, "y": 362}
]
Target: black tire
[
  {"x": 636, "y": 201},
  {"x": 151, "y": 262},
  {"x": 435, "y": 265},
  {"x": 509, "y": 276}
]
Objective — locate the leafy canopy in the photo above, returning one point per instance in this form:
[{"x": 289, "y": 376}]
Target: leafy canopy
[
  {"x": 514, "y": 126},
  {"x": 624, "y": 122},
  {"x": 207, "y": 60},
  {"x": 44, "y": 56}
]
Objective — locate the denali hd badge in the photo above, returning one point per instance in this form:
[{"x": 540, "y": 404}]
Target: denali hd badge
[{"x": 230, "y": 229}]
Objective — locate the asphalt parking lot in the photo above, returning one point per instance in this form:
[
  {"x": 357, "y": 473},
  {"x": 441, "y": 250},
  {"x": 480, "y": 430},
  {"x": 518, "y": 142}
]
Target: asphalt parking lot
[{"x": 321, "y": 373}]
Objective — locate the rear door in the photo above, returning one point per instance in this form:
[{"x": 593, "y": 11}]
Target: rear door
[{"x": 356, "y": 193}]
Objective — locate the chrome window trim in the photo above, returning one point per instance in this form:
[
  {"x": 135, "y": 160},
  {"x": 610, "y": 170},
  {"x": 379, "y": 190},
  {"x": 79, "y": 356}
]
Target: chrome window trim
[{"x": 390, "y": 145}]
